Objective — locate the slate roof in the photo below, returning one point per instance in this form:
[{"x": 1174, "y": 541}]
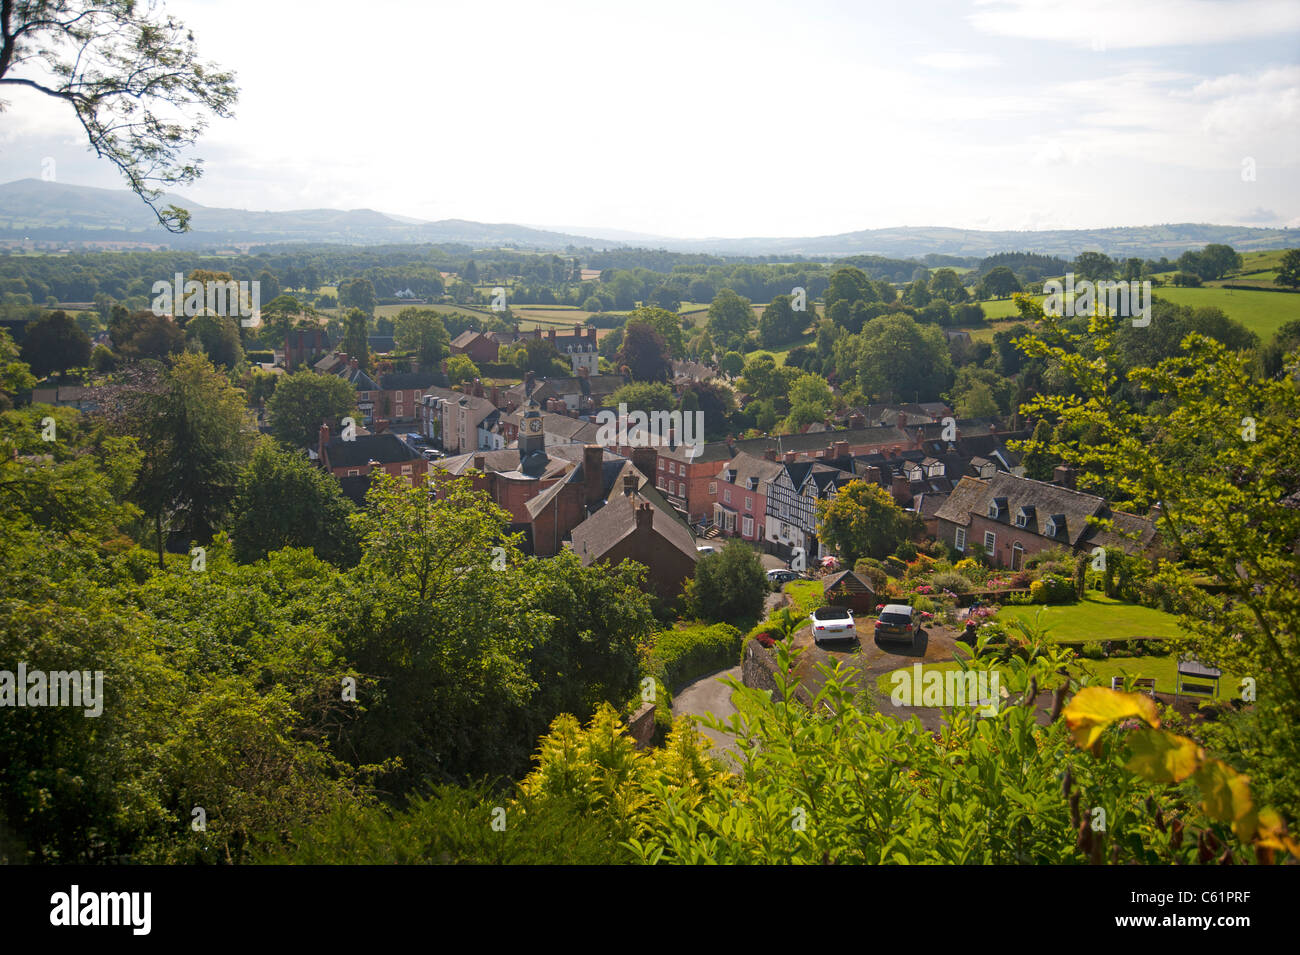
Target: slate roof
[
  {"x": 1043, "y": 502},
  {"x": 385, "y": 448},
  {"x": 617, "y": 519},
  {"x": 746, "y": 466}
]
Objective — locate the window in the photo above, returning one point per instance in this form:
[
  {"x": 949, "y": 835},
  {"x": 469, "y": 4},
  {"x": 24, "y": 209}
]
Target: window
[
  {"x": 1021, "y": 519},
  {"x": 959, "y": 540},
  {"x": 661, "y": 464},
  {"x": 726, "y": 496},
  {"x": 406, "y": 469},
  {"x": 747, "y": 527},
  {"x": 990, "y": 542},
  {"x": 353, "y": 472},
  {"x": 713, "y": 487}
]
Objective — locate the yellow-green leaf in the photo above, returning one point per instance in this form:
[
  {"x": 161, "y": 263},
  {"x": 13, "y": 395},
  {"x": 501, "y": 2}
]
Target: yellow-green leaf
[
  {"x": 1225, "y": 797},
  {"x": 1095, "y": 707},
  {"x": 1163, "y": 757}
]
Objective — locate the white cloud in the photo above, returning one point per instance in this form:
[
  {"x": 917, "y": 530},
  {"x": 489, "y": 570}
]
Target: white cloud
[
  {"x": 955, "y": 60},
  {"x": 1123, "y": 24}
]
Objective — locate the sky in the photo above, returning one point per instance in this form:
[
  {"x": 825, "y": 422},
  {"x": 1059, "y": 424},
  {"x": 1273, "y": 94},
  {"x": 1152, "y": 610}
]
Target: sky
[{"x": 713, "y": 118}]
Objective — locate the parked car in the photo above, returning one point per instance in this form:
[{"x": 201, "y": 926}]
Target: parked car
[
  {"x": 899, "y": 622},
  {"x": 833, "y": 623},
  {"x": 780, "y": 576},
  {"x": 704, "y": 549}
]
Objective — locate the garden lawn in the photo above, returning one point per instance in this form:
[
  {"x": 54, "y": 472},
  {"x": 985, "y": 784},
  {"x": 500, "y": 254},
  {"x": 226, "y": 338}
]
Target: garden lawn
[
  {"x": 1095, "y": 618},
  {"x": 805, "y": 596},
  {"x": 1163, "y": 668}
]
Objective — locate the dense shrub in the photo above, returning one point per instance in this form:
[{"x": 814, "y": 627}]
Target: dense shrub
[
  {"x": 906, "y": 551},
  {"x": 1093, "y": 651},
  {"x": 681, "y": 656},
  {"x": 1052, "y": 589},
  {"x": 951, "y": 580},
  {"x": 872, "y": 571}
]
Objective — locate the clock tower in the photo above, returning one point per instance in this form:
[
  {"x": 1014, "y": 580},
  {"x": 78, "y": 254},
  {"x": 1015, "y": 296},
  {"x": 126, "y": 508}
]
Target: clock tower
[{"x": 531, "y": 435}]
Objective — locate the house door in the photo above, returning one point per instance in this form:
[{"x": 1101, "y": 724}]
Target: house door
[{"x": 1017, "y": 556}]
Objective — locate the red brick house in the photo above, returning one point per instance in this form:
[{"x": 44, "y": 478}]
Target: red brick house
[
  {"x": 479, "y": 347},
  {"x": 369, "y": 452},
  {"x": 631, "y": 527},
  {"x": 1007, "y": 518}
]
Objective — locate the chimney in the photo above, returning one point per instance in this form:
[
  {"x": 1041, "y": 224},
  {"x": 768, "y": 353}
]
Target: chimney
[
  {"x": 788, "y": 457},
  {"x": 769, "y": 454},
  {"x": 645, "y": 517},
  {"x": 496, "y": 396},
  {"x": 841, "y": 449},
  {"x": 478, "y": 388},
  {"x": 857, "y": 422},
  {"x": 550, "y": 334},
  {"x": 902, "y": 419},
  {"x": 1064, "y": 475},
  {"x": 873, "y": 474},
  {"x": 480, "y": 463},
  {"x": 629, "y": 483},
  {"x": 593, "y": 457},
  {"x": 352, "y": 363},
  {"x": 415, "y": 363},
  {"x": 323, "y": 440},
  {"x": 902, "y": 490},
  {"x": 528, "y": 384},
  {"x": 646, "y": 460},
  {"x": 584, "y": 371}
]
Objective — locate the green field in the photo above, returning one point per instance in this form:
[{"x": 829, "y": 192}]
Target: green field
[
  {"x": 1262, "y": 312},
  {"x": 1095, "y": 618}
]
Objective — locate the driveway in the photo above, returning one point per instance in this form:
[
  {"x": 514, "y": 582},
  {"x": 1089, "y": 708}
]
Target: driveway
[{"x": 710, "y": 695}]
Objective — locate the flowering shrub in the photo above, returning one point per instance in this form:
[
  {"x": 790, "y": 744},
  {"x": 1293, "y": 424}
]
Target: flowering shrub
[{"x": 924, "y": 589}]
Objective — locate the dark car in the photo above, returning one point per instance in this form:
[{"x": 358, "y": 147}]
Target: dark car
[
  {"x": 899, "y": 622},
  {"x": 780, "y": 576}
]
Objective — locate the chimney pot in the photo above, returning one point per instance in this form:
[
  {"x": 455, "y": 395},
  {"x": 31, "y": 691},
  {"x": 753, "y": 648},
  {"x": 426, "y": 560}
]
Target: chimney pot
[
  {"x": 629, "y": 483},
  {"x": 789, "y": 457},
  {"x": 645, "y": 517},
  {"x": 770, "y": 454},
  {"x": 480, "y": 462}
]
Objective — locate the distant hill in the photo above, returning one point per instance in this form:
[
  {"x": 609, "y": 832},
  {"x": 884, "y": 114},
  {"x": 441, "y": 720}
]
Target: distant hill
[
  {"x": 52, "y": 211},
  {"x": 48, "y": 211}
]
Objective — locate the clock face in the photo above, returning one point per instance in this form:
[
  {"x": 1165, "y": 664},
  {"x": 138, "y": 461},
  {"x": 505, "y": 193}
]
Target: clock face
[{"x": 535, "y": 426}]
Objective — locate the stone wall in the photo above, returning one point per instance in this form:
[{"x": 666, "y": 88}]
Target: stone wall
[{"x": 642, "y": 725}]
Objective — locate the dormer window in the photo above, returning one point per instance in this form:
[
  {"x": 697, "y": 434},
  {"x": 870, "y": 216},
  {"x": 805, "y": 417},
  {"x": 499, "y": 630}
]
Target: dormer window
[
  {"x": 753, "y": 484},
  {"x": 934, "y": 470},
  {"x": 1055, "y": 525},
  {"x": 997, "y": 508},
  {"x": 1023, "y": 516}
]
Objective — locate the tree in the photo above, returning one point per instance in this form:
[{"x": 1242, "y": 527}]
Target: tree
[
  {"x": 667, "y": 323},
  {"x": 894, "y": 358},
  {"x": 217, "y": 337},
  {"x": 862, "y": 520},
  {"x": 356, "y": 338},
  {"x": 145, "y": 335},
  {"x": 358, "y": 294},
  {"x": 1037, "y": 457},
  {"x": 644, "y": 352},
  {"x": 1216, "y": 451},
  {"x": 999, "y": 283},
  {"x": 641, "y": 396},
  {"x": 946, "y": 284},
  {"x": 1094, "y": 266},
  {"x": 848, "y": 285},
  {"x": 421, "y": 330},
  {"x": 763, "y": 378},
  {"x": 196, "y": 436},
  {"x": 470, "y": 273},
  {"x": 461, "y": 368},
  {"x": 730, "y": 320},
  {"x": 730, "y": 585},
  {"x": 283, "y": 500},
  {"x": 731, "y": 364},
  {"x": 780, "y": 324},
  {"x": 810, "y": 400},
  {"x": 133, "y": 79},
  {"x": 977, "y": 401},
  {"x": 303, "y": 401},
  {"x": 1288, "y": 270},
  {"x": 55, "y": 343},
  {"x": 268, "y": 286}
]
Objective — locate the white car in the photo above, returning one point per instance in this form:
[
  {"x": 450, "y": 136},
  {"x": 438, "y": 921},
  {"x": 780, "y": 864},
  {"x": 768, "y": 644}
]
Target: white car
[
  {"x": 833, "y": 623},
  {"x": 704, "y": 549}
]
